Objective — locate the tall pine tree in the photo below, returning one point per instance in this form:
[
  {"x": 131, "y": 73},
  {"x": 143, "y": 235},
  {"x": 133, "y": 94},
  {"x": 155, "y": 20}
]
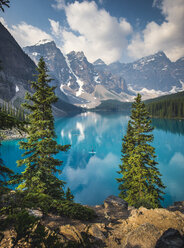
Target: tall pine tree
[
  {"x": 140, "y": 183},
  {"x": 41, "y": 146}
]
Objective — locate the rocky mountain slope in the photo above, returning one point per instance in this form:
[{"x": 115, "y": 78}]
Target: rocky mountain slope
[
  {"x": 77, "y": 78},
  {"x": 17, "y": 69},
  {"x": 155, "y": 72},
  {"x": 117, "y": 225}
]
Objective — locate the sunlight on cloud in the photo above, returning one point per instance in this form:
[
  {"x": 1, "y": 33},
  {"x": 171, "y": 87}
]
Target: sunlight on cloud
[
  {"x": 2, "y": 20},
  {"x": 55, "y": 28},
  {"x": 99, "y": 35},
  {"x": 168, "y": 37},
  {"x": 27, "y": 35}
]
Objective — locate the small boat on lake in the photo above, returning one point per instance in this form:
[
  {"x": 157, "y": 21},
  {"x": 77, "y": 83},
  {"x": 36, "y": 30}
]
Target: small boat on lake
[{"x": 92, "y": 151}]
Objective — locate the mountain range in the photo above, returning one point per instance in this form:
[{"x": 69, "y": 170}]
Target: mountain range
[
  {"x": 154, "y": 72},
  {"x": 81, "y": 83},
  {"x": 88, "y": 84},
  {"x": 78, "y": 79}
]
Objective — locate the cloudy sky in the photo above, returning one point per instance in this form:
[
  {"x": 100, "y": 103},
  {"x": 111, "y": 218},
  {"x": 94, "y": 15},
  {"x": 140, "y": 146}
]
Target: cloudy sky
[{"x": 112, "y": 30}]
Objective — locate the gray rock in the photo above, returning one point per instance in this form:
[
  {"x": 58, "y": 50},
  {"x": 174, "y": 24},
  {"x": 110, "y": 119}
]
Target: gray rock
[
  {"x": 170, "y": 239},
  {"x": 97, "y": 231},
  {"x": 115, "y": 208},
  {"x": 115, "y": 202},
  {"x": 66, "y": 70},
  {"x": 16, "y": 67},
  {"x": 144, "y": 236},
  {"x": 179, "y": 203},
  {"x": 35, "y": 212}
]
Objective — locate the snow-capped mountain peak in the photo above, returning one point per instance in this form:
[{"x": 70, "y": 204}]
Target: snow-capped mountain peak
[
  {"x": 99, "y": 62},
  {"x": 159, "y": 57},
  {"x": 155, "y": 72},
  {"x": 43, "y": 42},
  {"x": 85, "y": 82},
  {"x": 75, "y": 76}
]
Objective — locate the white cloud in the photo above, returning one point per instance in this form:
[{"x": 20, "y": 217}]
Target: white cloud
[
  {"x": 95, "y": 32},
  {"x": 100, "y": 35},
  {"x": 26, "y": 34},
  {"x": 2, "y": 20},
  {"x": 168, "y": 37},
  {"x": 59, "y": 4},
  {"x": 55, "y": 28}
]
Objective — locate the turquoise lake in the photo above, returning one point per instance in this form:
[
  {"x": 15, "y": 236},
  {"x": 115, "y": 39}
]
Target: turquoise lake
[{"x": 91, "y": 176}]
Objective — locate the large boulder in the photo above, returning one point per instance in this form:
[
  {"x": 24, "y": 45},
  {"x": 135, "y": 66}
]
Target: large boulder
[
  {"x": 161, "y": 218},
  {"x": 123, "y": 227},
  {"x": 143, "y": 228},
  {"x": 170, "y": 239},
  {"x": 97, "y": 230},
  {"x": 70, "y": 233},
  {"x": 115, "y": 208},
  {"x": 144, "y": 236},
  {"x": 36, "y": 213},
  {"x": 115, "y": 202}
]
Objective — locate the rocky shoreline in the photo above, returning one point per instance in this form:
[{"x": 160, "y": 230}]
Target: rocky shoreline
[
  {"x": 116, "y": 225},
  {"x": 13, "y": 134}
]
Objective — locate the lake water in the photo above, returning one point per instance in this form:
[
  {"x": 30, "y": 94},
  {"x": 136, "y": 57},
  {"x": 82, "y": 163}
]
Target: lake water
[{"x": 90, "y": 166}]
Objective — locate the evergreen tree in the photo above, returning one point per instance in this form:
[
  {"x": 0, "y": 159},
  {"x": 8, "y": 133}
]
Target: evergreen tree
[
  {"x": 140, "y": 183},
  {"x": 4, "y": 3},
  {"x": 8, "y": 121},
  {"x": 170, "y": 106},
  {"x": 69, "y": 195},
  {"x": 41, "y": 146}
]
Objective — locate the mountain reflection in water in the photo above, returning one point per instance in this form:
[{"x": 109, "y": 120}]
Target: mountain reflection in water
[{"x": 91, "y": 176}]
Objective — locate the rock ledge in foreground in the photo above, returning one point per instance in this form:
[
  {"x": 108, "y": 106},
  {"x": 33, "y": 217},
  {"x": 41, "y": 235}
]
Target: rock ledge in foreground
[{"x": 117, "y": 226}]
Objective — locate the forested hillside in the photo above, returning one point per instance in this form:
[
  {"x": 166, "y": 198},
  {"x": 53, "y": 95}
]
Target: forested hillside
[
  {"x": 170, "y": 106},
  {"x": 114, "y": 106}
]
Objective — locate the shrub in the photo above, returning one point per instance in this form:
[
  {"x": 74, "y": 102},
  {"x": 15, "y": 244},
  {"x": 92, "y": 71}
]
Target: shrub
[{"x": 73, "y": 210}]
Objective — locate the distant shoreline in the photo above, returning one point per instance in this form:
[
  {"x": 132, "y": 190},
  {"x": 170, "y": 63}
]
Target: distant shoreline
[{"x": 13, "y": 134}]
